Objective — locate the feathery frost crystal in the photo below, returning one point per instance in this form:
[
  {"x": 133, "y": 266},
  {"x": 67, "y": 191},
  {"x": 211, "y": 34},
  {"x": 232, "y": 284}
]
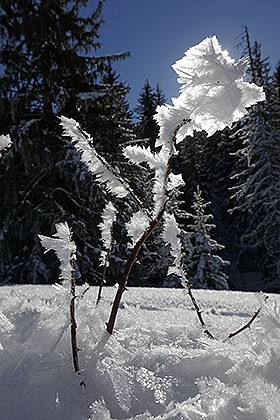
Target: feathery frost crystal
[
  {"x": 213, "y": 94},
  {"x": 171, "y": 235},
  {"x": 5, "y": 141},
  {"x": 106, "y": 226},
  {"x": 137, "y": 226},
  {"x": 61, "y": 243},
  {"x": 96, "y": 164}
]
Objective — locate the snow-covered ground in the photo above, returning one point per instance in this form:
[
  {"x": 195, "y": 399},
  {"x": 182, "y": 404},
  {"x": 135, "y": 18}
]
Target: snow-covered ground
[{"x": 157, "y": 365}]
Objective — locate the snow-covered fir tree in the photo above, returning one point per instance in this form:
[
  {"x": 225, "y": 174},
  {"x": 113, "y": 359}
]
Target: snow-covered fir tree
[
  {"x": 257, "y": 185},
  {"x": 257, "y": 193},
  {"x": 204, "y": 267},
  {"x": 49, "y": 67}
]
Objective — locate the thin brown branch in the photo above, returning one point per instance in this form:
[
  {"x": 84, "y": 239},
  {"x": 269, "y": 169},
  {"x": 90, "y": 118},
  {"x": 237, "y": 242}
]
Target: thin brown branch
[
  {"x": 248, "y": 325},
  {"x": 74, "y": 336},
  {"x": 199, "y": 313},
  {"x": 103, "y": 279},
  {"x": 74, "y": 345},
  {"x": 131, "y": 261},
  {"x": 153, "y": 224}
]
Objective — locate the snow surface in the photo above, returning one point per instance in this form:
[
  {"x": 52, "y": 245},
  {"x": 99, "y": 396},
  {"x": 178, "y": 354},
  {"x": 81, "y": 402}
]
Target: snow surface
[{"x": 158, "y": 364}]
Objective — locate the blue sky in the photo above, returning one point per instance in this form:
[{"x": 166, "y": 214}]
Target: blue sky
[{"x": 158, "y": 32}]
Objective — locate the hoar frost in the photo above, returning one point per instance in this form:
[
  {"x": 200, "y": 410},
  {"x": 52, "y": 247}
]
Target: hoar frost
[
  {"x": 106, "y": 226},
  {"x": 5, "y": 141},
  {"x": 61, "y": 243},
  {"x": 213, "y": 95}
]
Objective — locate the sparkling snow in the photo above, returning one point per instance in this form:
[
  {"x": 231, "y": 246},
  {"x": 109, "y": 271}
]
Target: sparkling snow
[{"x": 158, "y": 364}]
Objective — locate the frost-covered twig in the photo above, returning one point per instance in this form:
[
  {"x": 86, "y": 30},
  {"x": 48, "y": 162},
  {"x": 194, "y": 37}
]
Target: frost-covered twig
[
  {"x": 132, "y": 259},
  {"x": 213, "y": 95},
  {"x": 106, "y": 227},
  {"x": 61, "y": 243},
  {"x": 248, "y": 324},
  {"x": 105, "y": 174},
  {"x": 199, "y": 313},
  {"x": 5, "y": 142},
  {"x": 172, "y": 236}
]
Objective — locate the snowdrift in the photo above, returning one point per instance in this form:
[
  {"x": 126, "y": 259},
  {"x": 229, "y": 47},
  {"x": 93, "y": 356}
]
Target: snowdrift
[{"x": 158, "y": 364}]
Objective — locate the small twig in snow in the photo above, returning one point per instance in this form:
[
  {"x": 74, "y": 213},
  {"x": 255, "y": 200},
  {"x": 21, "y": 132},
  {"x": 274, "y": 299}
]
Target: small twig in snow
[
  {"x": 74, "y": 345},
  {"x": 199, "y": 313},
  {"x": 248, "y": 325}
]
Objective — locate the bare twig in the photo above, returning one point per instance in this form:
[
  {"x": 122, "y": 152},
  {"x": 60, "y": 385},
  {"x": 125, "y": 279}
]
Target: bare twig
[
  {"x": 128, "y": 267},
  {"x": 199, "y": 313},
  {"x": 103, "y": 279},
  {"x": 207, "y": 332},
  {"x": 248, "y": 325},
  {"x": 74, "y": 345}
]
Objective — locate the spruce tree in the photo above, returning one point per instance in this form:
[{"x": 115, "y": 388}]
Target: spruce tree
[
  {"x": 49, "y": 67},
  {"x": 257, "y": 191},
  {"x": 204, "y": 267},
  {"x": 149, "y": 99}
]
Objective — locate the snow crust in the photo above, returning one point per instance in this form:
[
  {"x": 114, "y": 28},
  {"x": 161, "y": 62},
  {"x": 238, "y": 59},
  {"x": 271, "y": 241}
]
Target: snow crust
[{"x": 157, "y": 365}]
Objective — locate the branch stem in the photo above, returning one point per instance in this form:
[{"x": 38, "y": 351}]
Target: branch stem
[
  {"x": 131, "y": 261},
  {"x": 248, "y": 325},
  {"x": 73, "y": 322},
  {"x": 199, "y": 313}
]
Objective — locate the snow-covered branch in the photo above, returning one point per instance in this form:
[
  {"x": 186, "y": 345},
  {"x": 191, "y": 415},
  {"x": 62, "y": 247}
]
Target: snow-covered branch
[
  {"x": 105, "y": 174},
  {"x": 61, "y": 243},
  {"x": 5, "y": 142}
]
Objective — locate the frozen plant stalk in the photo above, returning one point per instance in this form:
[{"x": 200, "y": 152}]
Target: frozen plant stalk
[
  {"x": 213, "y": 94},
  {"x": 106, "y": 228},
  {"x": 61, "y": 243}
]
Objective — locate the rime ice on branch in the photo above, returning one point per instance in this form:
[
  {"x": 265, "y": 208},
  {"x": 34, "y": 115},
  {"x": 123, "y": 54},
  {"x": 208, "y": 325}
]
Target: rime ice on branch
[
  {"x": 213, "y": 95},
  {"x": 61, "y": 243},
  {"x": 5, "y": 142},
  {"x": 64, "y": 248},
  {"x": 214, "y": 92}
]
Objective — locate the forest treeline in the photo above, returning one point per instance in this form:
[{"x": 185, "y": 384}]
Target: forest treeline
[{"x": 230, "y": 205}]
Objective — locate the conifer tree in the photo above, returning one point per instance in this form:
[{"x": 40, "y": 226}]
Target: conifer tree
[
  {"x": 257, "y": 191},
  {"x": 149, "y": 99},
  {"x": 48, "y": 66},
  {"x": 204, "y": 267}
]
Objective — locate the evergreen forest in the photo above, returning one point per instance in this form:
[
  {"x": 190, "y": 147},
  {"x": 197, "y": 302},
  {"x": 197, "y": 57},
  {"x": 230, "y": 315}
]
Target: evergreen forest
[{"x": 229, "y": 208}]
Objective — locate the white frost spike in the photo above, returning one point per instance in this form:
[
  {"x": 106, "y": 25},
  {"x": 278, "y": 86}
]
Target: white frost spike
[
  {"x": 171, "y": 236},
  {"x": 5, "y": 141},
  {"x": 174, "y": 181},
  {"x": 64, "y": 248},
  {"x": 96, "y": 164},
  {"x": 137, "y": 154},
  {"x": 108, "y": 218},
  {"x": 214, "y": 93},
  {"x": 207, "y": 63},
  {"x": 137, "y": 226}
]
